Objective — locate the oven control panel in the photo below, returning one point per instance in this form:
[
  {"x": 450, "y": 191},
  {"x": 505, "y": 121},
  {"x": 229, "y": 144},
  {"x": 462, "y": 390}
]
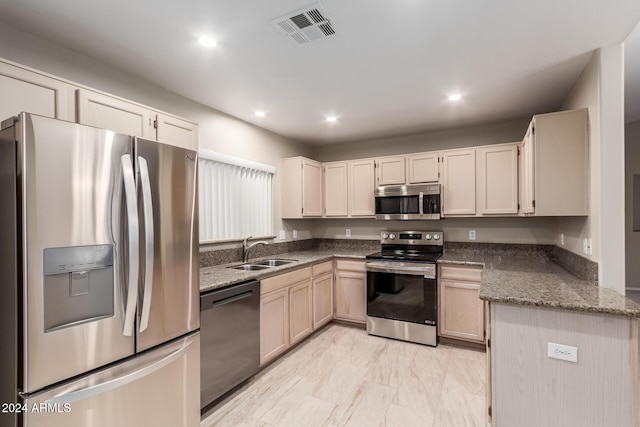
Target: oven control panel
[{"x": 412, "y": 237}]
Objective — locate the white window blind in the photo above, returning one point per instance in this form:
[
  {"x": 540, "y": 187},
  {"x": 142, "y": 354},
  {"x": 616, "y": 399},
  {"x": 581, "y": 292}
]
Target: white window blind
[{"x": 235, "y": 197}]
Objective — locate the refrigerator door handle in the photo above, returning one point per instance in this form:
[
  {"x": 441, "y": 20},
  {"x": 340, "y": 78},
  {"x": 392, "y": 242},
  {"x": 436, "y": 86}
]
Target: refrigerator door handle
[
  {"x": 94, "y": 390},
  {"x": 147, "y": 207},
  {"x": 131, "y": 201}
]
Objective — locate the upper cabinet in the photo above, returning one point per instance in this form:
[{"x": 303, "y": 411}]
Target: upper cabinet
[
  {"x": 497, "y": 179},
  {"x": 35, "y": 92},
  {"x": 459, "y": 182},
  {"x": 361, "y": 187},
  {"x": 107, "y": 112},
  {"x": 390, "y": 170},
  {"x": 555, "y": 165},
  {"x": 301, "y": 184},
  {"x": 335, "y": 189},
  {"x": 424, "y": 167},
  {"x": 32, "y": 92}
]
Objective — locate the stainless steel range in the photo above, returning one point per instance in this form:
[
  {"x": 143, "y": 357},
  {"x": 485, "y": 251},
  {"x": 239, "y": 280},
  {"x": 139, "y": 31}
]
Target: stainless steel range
[{"x": 402, "y": 297}]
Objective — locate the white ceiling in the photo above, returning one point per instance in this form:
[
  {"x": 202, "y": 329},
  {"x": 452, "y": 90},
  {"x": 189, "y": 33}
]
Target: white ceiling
[{"x": 387, "y": 71}]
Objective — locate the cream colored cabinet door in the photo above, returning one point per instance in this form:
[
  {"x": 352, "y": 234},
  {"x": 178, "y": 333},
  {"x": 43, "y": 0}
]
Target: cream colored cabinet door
[
  {"x": 322, "y": 300},
  {"x": 459, "y": 182},
  {"x": 177, "y": 132},
  {"x": 527, "y": 177},
  {"x": 497, "y": 180},
  {"x": 390, "y": 170},
  {"x": 311, "y": 188},
  {"x": 31, "y": 92},
  {"x": 361, "y": 188},
  {"x": 424, "y": 167},
  {"x": 335, "y": 189},
  {"x": 351, "y": 296},
  {"x": 274, "y": 324},
  {"x": 102, "y": 111},
  {"x": 461, "y": 311},
  {"x": 300, "y": 311}
]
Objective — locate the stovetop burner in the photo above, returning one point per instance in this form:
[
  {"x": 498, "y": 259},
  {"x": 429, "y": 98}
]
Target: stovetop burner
[{"x": 410, "y": 246}]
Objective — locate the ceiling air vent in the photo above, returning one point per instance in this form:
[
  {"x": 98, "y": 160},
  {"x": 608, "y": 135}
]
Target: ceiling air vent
[{"x": 305, "y": 25}]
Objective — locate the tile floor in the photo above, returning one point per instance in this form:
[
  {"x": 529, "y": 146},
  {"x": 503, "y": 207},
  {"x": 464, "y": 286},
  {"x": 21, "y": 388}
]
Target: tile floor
[{"x": 343, "y": 377}]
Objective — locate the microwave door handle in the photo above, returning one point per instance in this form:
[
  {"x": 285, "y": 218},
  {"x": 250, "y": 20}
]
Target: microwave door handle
[
  {"x": 131, "y": 203},
  {"x": 147, "y": 208},
  {"x": 421, "y": 202}
]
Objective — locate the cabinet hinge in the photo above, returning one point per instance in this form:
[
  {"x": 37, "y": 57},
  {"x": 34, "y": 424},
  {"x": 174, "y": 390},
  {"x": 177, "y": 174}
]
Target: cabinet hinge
[
  {"x": 518, "y": 206},
  {"x": 302, "y": 211},
  {"x": 533, "y": 130},
  {"x": 155, "y": 124},
  {"x": 489, "y": 343},
  {"x": 375, "y": 165},
  {"x": 438, "y": 174},
  {"x": 489, "y": 410},
  {"x": 534, "y": 203},
  {"x": 518, "y": 151}
]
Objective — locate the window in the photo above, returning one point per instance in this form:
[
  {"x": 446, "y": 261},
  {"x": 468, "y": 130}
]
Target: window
[{"x": 235, "y": 197}]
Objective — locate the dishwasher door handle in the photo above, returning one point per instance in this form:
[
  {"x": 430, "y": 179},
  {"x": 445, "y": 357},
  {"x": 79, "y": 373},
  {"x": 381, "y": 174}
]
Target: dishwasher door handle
[{"x": 231, "y": 299}]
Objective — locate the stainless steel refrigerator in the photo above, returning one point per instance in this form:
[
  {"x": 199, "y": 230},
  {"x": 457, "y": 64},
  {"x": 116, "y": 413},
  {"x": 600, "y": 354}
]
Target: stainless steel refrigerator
[{"x": 99, "y": 315}]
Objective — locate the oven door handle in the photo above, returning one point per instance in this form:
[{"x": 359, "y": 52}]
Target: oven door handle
[{"x": 415, "y": 271}]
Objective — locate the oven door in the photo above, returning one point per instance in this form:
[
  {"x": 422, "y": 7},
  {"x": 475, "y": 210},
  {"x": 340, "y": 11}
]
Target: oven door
[{"x": 402, "y": 291}]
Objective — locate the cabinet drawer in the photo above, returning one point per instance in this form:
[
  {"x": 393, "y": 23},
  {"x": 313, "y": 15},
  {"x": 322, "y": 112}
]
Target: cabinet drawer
[
  {"x": 325, "y": 267},
  {"x": 349, "y": 265},
  {"x": 472, "y": 274},
  {"x": 286, "y": 279}
]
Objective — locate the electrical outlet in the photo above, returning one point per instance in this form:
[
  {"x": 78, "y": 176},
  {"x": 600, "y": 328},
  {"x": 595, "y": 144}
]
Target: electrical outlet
[
  {"x": 585, "y": 246},
  {"x": 348, "y": 232},
  {"x": 281, "y": 235},
  {"x": 590, "y": 246},
  {"x": 561, "y": 239},
  {"x": 472, "y": 234},
  {"x": 562, "y": 352},
  {"x": 295, "y": 234}
]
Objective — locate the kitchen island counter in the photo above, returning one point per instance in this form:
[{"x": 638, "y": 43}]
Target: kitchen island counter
[{"x": 538, "y": 281}]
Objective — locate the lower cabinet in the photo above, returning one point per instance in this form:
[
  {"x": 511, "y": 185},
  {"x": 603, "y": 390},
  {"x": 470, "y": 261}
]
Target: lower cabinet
[
  {"x": 300, "y": 308},
  {"x": 462, "y": 312},
  {"x": 351, "y": 291},
  {"x": 322, "y": 294},
  {"x": 274, "y": 324}
]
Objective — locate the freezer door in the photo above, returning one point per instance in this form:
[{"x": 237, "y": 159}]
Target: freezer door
[
  {"x": 159, "y": 388},
  {"x": 169, "y": 264},
  {"x": 72, "y": 277}
]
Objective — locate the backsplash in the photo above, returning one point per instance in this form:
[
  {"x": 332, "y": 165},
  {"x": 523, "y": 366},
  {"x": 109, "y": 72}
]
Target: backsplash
[
  {"x": 226, "y": 256},
  {"x": 499, "y": 249},
  {"x": 575, "y": 264}
]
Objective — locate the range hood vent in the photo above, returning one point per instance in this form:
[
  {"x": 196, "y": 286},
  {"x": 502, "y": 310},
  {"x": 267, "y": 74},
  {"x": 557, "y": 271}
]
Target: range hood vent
[{"x": 305, "y": 25}]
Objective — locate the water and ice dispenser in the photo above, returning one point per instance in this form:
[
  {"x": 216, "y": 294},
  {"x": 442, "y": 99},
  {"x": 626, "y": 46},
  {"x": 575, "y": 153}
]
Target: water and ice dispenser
[{"x": 78, "y": 285}]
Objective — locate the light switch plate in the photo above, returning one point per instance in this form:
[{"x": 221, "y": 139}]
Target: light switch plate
[
  {"x": 562, "y": 352},
  {"x": 281, "y": 235},
  {"x": 295, "y": 234},
  {"x": 348, "y": 232}
]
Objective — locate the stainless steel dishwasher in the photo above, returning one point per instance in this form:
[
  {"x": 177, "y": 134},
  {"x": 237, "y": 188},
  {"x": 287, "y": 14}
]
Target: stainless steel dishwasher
[{"x": 230, "y": 339}]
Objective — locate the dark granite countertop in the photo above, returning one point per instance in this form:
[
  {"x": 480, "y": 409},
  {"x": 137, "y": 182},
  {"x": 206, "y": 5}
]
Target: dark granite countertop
[
  {"x": 220, "y": 276},
  {"x": 538, "y": 281}
]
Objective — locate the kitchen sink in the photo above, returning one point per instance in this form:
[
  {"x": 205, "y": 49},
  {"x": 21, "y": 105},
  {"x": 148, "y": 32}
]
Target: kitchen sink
[
  {"x": 274, "y": 262},
  {"x": 250, "y": 267}
]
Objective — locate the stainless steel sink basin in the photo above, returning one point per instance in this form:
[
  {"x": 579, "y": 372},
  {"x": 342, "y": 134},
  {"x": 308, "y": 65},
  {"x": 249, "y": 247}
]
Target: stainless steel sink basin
[
  {"x": 274, "y": 262},
  {"x": 250, "y": 267}
]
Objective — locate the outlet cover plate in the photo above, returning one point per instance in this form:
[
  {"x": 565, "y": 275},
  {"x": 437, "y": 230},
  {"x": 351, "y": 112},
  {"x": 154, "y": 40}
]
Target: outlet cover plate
[
  {"x": 472, "y": 234},
  {"x": 562, "y": 352}
]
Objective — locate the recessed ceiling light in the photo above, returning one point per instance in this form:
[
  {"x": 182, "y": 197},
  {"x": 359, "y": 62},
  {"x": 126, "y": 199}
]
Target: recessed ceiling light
[
  {"x": 260, "y": 113},
  {"x": 332, "y": 119},
  {"x": 207, "y": 41},
  {"x": 455, "y": 97}
]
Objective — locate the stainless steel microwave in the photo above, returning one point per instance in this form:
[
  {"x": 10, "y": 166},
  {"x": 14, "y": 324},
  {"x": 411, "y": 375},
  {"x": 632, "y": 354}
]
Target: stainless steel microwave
[{"x": 419, "y": 201}]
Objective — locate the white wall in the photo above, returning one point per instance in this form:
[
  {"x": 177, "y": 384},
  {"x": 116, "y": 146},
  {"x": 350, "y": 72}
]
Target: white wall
[
  {"x": 217, "y": 131},
  {"x": 632, "y": 239},
  {"x": 585, "y": 94},
  {"x": 507, "y": 131},
  {"x": 601, "y": 90},
  {"x": 492, "y": 230}
]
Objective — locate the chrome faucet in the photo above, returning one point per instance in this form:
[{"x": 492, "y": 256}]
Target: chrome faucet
[{"x": 246, "y": 247}]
